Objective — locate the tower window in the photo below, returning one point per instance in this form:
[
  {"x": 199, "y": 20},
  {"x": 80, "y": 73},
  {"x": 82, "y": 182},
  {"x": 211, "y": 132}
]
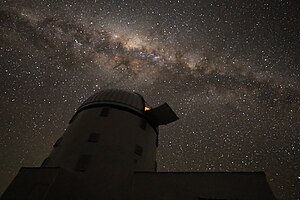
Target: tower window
[
  {"x": 104, "y": 112},
  {"x": 138, "y": 150},
  {"x": 45, "y": 162},
  {"x": 57, "y": 142},
  {"x": 94, "y": 137},
  {"x": 143, "y": 124},
  {"x": 82, "y": 163},
  {"x": 73, "y": 118}
]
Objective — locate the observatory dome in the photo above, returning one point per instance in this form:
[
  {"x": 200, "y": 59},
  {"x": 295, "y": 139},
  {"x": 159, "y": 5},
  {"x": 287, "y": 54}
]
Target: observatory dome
[{"x": 116, "y": 97}]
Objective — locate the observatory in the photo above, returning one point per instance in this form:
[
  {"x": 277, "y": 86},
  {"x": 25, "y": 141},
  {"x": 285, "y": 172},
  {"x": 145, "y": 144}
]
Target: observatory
[{"x": 108, "y": 152}]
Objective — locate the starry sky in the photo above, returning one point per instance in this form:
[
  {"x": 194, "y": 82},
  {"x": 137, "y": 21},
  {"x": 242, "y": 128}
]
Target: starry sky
[{"x": 229, "y": 69}]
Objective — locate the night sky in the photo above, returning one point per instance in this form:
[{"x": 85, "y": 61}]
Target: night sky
[{"x": 229, "y": 69}]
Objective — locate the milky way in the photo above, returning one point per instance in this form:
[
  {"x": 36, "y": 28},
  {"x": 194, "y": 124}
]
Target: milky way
[{"x": 230, "y": 70}]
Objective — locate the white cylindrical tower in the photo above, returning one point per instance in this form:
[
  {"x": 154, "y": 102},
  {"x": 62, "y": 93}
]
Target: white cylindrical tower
[{"x": 110, "y": 136}]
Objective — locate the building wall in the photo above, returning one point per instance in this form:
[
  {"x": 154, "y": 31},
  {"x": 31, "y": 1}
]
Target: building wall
[
  {"x": 104, "y": 146},
  {"x": 200, "y": 186}
]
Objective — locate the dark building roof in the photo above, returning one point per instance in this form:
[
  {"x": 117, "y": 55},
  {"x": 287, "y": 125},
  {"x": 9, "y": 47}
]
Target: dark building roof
[
  {"x": 116, "y": 97},
  {"x": 201, "y": 185},
  {"x": 58, "y": 183}
]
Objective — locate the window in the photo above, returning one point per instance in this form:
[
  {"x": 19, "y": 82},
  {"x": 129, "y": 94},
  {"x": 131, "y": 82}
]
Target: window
[
  {"x": 73, "y": 118},
  {"x": 138, "y": 150},
  {"x": 143, "y": 124},
  {"x": 94, "y": 137},
  {"x": 104, "y": 112},
  {"x": 45, "y": 162},
  {"x": 57, "y": 142},
  {"x": 82, "y": 163}
]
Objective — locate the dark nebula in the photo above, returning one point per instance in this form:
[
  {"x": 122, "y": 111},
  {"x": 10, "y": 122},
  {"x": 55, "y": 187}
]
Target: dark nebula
[{"x": 230, "y": 70}]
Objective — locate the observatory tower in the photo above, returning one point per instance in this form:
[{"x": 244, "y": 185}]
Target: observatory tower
[
  {"x": 108, "y": 152},
  {"x": 111, "y": 136}
]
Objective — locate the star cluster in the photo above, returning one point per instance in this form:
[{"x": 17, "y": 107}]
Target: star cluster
[{"x": 229, "y": 69}]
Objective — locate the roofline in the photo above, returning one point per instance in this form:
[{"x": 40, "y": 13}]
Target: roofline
[
  {"x": 117, "y": 105},
  {"x": 235, "y": 172}
]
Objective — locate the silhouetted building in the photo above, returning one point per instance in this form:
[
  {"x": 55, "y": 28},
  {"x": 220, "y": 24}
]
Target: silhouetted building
[{"x": 109, "y": 152}]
